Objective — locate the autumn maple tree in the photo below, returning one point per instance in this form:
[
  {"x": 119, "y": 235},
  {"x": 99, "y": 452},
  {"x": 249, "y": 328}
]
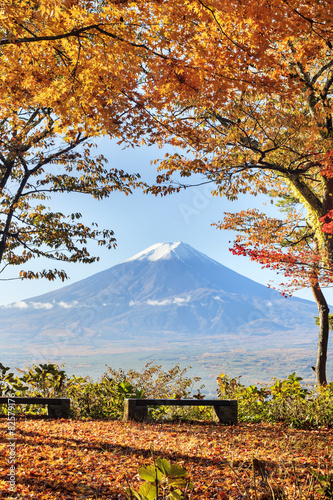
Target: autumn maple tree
[
  {"x": 68, "y": 75},
  {"x": 289, "y": 246},
  {"x": 36, "y": 163}
]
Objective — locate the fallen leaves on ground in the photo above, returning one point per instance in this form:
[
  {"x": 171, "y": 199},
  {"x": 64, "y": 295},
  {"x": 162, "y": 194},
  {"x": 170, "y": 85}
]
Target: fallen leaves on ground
[{"x": 65, "y": 459}]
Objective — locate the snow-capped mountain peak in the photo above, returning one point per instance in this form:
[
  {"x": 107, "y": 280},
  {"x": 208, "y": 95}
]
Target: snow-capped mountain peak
[{"x": 159, "y": 251}]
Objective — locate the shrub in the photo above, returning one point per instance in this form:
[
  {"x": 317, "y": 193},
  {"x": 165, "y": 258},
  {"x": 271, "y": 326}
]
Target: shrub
[
  {"x": 160, "y": 384},
  {"x": 45, "y": 380},
  {"x": 284, "y": 401},
  {"x": 173, "y": 383}
]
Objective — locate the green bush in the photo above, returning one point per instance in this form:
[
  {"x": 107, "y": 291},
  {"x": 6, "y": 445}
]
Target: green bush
[
  {"x": 87, "y": 399},
  {"x": 173, "y": 383},
  {"x": 157, "y": 383},
  {"x": 45, "y": 380},
  {"x": 284, "y": 401}
]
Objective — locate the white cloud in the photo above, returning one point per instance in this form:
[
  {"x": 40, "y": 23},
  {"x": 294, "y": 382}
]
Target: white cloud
[
  {"x": 165, "y": 302},
  {"x": 41, "y": 305},
  {"x": 20, "y": 304},
  {"x": 68, "y": 305},
  {"x": 180, "y": 300}
]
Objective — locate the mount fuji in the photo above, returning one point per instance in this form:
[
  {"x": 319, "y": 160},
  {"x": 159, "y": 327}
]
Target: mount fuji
[{"x": 169, "y": 302}]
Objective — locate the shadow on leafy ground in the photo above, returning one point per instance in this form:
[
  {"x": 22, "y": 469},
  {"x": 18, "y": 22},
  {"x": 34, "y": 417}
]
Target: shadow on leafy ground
[{"x": 95, "y": 459}]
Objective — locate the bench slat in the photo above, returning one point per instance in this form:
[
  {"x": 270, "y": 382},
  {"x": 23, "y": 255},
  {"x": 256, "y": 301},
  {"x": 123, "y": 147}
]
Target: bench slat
[
  {"x": 182, "y": 402},
  {"x": 33, "y": 400}
]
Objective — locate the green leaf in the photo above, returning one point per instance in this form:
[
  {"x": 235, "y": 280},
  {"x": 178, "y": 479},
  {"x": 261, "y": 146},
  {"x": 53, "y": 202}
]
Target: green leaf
[
  {"x": 176, "y": 495},
  {"x": 164, "y": 465},
  {"x": 125, "y": 387},
  {"x": 148, "y": 491},
  {"x": 139, "y": 393},
  {"x": 149, "y": 473},
  {"x": 130, "y": 493},
  {"x": 177, "y": 470},
  {"x": 177, "y": 483}
]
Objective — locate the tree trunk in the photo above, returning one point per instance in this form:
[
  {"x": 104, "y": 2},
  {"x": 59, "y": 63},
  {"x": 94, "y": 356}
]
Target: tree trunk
[{"x": 323, "y": 311}]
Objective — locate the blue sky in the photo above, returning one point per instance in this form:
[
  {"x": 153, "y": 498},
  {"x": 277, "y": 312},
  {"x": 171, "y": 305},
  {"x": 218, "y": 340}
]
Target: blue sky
[{"x": 143, "y": 220}]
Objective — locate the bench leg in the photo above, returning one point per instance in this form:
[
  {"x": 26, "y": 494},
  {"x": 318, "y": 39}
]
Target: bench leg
[
  {"x": 134, "y": 412},
  {"x": 59, "y": 411},
  {"x": 225, "y": 414}
]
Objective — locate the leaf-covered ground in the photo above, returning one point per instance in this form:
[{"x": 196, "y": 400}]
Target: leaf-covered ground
[{"x": 60, "y": 459}]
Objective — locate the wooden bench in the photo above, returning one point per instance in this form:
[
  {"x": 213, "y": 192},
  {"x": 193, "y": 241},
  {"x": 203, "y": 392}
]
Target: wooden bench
[
  {"x": 56, "y": 407},
  {"x": 224, "y": 410}
]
